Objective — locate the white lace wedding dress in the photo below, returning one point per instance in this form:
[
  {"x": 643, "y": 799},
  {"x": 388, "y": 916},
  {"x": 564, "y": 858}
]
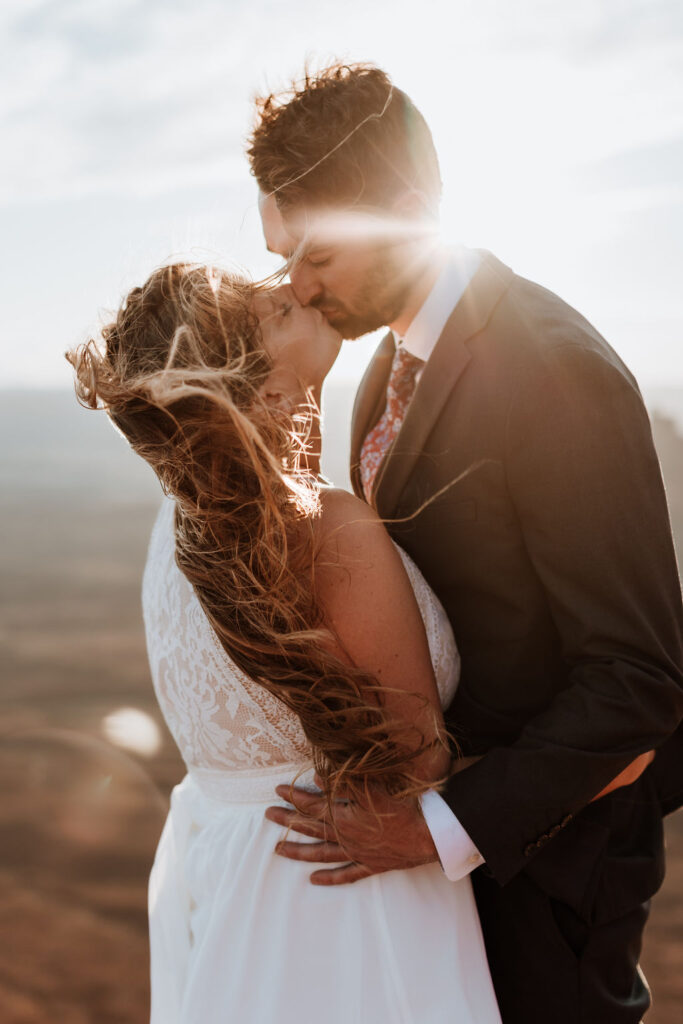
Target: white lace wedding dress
[{"x": 239, "y": 935}]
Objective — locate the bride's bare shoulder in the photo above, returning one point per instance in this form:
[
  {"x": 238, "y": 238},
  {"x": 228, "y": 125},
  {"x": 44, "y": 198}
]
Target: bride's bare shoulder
[
  {"x": 339, "y": 506},
  {"x": 353, "y": 550},
  {"x": 366, "y": 596},
  {"x": 347, "y": 522}
]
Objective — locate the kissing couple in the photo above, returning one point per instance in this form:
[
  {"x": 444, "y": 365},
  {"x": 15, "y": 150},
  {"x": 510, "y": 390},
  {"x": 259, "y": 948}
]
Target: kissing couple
[{"x": 431, "y": 728}]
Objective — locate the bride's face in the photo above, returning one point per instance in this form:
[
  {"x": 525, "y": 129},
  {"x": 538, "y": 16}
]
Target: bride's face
[{"x": 300, "y": 342}]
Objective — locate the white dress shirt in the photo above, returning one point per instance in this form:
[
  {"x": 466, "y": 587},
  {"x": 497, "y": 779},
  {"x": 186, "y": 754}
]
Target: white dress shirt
[
  {"x": 458, "y": 268},
  {"x": 457, "y": 852}
]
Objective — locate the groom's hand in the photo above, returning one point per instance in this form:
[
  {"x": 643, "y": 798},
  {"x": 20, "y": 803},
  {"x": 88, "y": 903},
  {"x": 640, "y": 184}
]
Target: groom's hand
[{"x": 361, "y": 841}]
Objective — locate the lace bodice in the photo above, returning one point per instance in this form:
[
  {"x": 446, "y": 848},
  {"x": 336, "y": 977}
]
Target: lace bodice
[{"x": 220, "y": 719}]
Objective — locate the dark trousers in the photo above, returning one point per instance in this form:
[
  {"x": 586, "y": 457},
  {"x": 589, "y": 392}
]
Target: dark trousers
[
  {"x": 563, "y": 938},
  {"x": 550, "y": 967}
]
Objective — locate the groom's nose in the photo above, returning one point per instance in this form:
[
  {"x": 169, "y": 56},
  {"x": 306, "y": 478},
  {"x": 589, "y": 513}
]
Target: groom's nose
[{"x": 305, "y": 282}]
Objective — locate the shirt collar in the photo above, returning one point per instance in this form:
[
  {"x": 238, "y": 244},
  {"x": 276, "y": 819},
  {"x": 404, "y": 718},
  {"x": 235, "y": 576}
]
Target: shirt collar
[{"x": 426, "y": 327}]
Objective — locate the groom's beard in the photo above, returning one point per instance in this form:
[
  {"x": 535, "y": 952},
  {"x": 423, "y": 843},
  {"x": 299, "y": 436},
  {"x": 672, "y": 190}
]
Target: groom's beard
[{"x": 378, "y": 302}]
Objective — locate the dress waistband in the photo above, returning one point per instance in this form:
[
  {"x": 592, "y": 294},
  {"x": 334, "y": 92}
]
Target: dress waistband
[{"x": 251, "y": 785}]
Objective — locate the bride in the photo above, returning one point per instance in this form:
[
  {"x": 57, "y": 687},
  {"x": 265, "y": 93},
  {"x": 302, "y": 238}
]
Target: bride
[{"x": 286, "y": 633}]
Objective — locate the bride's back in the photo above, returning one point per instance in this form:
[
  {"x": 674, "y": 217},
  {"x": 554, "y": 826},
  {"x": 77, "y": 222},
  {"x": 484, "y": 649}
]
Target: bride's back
[{"x": 219, "y": 718}]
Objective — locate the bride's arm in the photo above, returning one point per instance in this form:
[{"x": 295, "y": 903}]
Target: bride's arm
[{"x": 368, "y": 602}]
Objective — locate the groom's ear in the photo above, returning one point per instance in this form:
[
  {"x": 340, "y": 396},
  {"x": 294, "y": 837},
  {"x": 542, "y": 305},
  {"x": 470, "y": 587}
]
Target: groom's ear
[{"x": 414, "y": 204}]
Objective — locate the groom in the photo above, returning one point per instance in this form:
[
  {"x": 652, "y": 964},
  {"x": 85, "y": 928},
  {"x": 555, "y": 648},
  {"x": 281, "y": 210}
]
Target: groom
[{"x": 508, "y": 448}]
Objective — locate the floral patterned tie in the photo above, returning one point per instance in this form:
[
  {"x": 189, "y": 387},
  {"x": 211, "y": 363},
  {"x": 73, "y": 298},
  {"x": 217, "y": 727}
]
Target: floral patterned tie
[{"x": 400, "y": 390}]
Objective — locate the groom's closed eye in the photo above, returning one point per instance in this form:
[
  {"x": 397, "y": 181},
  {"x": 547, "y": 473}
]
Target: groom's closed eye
[{"x": 318, "y": 255}]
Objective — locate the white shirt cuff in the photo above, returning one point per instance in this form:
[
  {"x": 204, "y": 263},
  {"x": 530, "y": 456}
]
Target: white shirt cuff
[{"x": 457, "y": 852}]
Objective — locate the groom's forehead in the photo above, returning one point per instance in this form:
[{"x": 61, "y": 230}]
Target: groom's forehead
[
  {"x": 297, "y": 230},
  {"x": 295, "y": 227},
  {"x": 336, "y": 227}
]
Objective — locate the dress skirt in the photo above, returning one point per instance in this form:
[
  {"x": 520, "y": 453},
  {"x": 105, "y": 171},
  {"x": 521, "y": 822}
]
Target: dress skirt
[{"x": 240, "y": 936}]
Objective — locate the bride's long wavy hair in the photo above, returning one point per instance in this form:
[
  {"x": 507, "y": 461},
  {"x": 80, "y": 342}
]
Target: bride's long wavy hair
[{"x": 178, "y": 371}]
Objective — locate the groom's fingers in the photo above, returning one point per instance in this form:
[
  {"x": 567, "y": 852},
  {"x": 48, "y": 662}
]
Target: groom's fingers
[
  {"x": 344, "y": 875},
  {"x": 293, "y": 821},
  {"x": 310, "y": 803},
  {"x": 312, "y": 853}
]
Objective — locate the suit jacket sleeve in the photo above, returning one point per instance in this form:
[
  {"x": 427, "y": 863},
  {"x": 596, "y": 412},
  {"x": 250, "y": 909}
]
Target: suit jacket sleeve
[{"x": 585, "y": 482}]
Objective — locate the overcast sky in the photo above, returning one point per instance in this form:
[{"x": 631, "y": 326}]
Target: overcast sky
[{"x": 559, "y": 127}]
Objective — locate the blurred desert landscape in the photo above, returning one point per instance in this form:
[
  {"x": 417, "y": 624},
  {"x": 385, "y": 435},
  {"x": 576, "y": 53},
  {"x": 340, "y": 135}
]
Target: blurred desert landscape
[{"x": 86, "y": 764}]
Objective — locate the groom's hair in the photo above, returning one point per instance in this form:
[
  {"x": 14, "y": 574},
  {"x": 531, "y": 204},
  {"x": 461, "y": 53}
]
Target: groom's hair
[{"x": 346, "y": 136}]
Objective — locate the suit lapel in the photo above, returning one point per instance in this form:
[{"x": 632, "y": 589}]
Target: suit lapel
[
  {"x": 441, "y": 374},
  {"x": 369, "y": 403}
]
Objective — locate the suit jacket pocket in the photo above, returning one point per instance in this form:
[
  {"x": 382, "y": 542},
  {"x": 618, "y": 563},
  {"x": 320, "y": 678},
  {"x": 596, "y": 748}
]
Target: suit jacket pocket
[
  {"x": 634, "y": 860},
  {"x": 609, "y": 859},
  {"x": 569, "y": 868}
]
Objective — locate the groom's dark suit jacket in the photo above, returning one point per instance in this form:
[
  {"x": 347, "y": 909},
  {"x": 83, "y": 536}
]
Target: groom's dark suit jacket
[{"x": 525, "y": 485}]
